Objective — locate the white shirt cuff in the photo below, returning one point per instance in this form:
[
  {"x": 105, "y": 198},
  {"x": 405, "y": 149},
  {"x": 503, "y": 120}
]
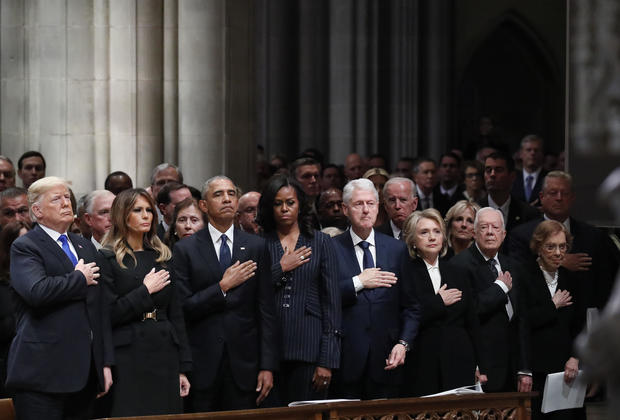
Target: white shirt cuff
[
  {"x": 502, "y": 285},
  {"x": 357, "y": 284}
]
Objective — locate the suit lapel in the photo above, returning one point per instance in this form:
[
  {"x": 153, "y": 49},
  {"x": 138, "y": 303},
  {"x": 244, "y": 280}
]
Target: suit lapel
[
  {"x": 207, "y": 250},
  {"x": 53, "y": 248},
  {"x": 239, "y": 251}
]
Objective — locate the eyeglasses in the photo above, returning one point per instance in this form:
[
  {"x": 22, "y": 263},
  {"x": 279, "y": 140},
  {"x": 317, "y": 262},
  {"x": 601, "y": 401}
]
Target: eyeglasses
[{"x": 552, "y": 247}]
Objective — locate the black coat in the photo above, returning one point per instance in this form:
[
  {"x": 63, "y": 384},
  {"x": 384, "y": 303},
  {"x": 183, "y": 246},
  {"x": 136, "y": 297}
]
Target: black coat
[
  {"x": 149, "y": 354},
  {"x": 243, "y": 322},
  {"x": 518, "y": 212},
  {"x": 504, "y": 343},
  {"x": 443, "y": 355}
]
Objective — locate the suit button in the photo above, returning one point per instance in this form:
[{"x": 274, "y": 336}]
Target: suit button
[
  {"x": 287, "y": 296},
  {"x": 288, "y": 287},
  {"x": 286, "y": 305}
]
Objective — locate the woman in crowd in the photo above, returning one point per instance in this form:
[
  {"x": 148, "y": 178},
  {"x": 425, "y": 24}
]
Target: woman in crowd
[
  {"x": 556, "y": 312},
  {"x": 473, "y": 173},
  {"x": 460, "y": 226},
  {"x": 304, "y": 274},
  {"x": 443, "y": 355},
  {"x": 187, "y": 220},
  {"x": 151, "y": 350},
  {"x": 10, "y": 232}
]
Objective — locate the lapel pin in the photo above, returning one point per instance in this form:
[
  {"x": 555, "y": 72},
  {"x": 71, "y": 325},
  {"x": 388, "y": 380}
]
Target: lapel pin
[{"x": 242, "y": 248}]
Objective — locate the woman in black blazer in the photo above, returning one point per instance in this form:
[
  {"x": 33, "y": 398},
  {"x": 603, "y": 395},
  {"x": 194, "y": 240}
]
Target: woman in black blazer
[
  {"x": 556, "y": 312},
  {"x": 151, "y": 350},
  {"x": 308, "y": 305},
  {"x": 443, "y": 355}
]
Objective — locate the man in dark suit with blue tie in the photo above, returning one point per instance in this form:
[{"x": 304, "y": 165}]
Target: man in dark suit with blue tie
[
  {"x": 224, "y": 277},
  {"x": 61, "y": 355},
  {"x": 380, "y": 316}
]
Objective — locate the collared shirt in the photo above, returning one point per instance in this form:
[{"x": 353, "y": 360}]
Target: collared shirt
[
  {"x": 55, "y": 235},
  {"x": 95, "y": 242},
  {"x": 425, "y": 199},
  {"x": 503, "y": 208},
  {"x": 395, "y": 230},
  {"x": 552, "y": 281},
  {"x": 433, "y": 272},
  {"x": 534, "y": 176},
  {"x": 566, "y": 222},
  {"x": 216, "y": 238},
  {"x": 359, "y": 254},
  {"x": 450, "y": 191}
]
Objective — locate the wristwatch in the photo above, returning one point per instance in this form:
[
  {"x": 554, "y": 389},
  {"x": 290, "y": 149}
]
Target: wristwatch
[{"x": 404, "y": 344}]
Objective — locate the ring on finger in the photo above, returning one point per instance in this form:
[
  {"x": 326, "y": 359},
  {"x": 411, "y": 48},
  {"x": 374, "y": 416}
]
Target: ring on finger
[{"x": 302, "y": 258}]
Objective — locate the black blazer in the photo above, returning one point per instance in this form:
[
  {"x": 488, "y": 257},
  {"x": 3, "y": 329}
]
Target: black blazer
[
  {"x": 308, "y": 302},
  {"x": 553, "y": 330},
  {"x": 518, "y": 212},
  {"x": 504, "y": 343},
  {"x": 518, "y": 187},
  {"x": 243, "y": 322},
  {"x": 444, "y": 353},
  {"x": 62, "y": 324},
  {"x": 586, "y": 238},
  {"x": 374, "y": 320}
]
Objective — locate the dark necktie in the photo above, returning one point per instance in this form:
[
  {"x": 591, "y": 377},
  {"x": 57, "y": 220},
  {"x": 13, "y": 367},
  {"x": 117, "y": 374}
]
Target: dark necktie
[
  {"x": 65, "y": 247},
  {"x": 368, "y": 262},
  {"x": 225, "y": 257},
  {"x": 493, "y": 268},
  {"x": 529, "y": 180}
]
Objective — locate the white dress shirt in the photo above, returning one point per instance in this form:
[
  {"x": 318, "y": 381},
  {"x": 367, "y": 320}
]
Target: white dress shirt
[
  {"x": 395, "y": 230},
  {"x": 552, "y": 281},
  {"x": 216, "y": 238},
  {"x": 359, "y": 254},
  {"x": 55, "y": 235},
  {"x": 433, "y": 272}
]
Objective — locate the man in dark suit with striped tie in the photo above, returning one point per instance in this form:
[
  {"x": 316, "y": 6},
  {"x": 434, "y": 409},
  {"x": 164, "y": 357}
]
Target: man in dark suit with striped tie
[
  {"x": 224, "y": 277},
  {"x": 399, "y": 200},
  {"x": 380, "y": 316},
  {"x": 61, "y": 355}
]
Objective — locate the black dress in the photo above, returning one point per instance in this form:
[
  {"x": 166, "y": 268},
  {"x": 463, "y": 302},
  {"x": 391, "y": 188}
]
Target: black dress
[{"x": 149, "y": 353}]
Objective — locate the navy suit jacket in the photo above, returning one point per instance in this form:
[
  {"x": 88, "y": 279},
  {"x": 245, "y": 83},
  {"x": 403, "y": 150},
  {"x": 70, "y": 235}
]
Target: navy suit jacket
[
  {"x": 243, "y": 322},
  {"x": 374, "y": 320},
  {"x": 504, "y": 343},
  {"x": 308, "y": 302},
  {"x": 62, "y": 323}
]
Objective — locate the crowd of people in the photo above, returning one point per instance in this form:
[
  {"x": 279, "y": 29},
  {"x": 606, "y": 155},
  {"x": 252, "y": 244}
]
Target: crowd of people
[{"x": 357, "y": 281}]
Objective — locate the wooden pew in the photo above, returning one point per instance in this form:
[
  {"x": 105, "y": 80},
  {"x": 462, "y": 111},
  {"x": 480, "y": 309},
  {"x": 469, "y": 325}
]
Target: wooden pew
[
  {"x": 499, "y": 406},
  {"x": 7, "y": 412}
]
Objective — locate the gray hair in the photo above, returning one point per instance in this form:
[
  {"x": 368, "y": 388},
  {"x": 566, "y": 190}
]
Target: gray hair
[
  {"x": 13, "y": 192},
  {"x": 42, "y": 186},
  {"x": 89, "y": 199},
  {"x": 163, "y": 166},
  {"x": 486, "y": 210},
  {"x": 403, "y": 180},
  {"x": 363, "y": 184},
  {"x": 211, "y": 180},
  {"x": 558, "y": 175},
  {"x": 6, "y": 159}
]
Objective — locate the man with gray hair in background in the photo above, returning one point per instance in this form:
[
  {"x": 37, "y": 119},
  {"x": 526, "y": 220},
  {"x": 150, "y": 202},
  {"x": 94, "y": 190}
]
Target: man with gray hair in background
[
  {"x": 14, "y": 206},
  {"x": 7, "y": 173},
  {"x": 97, "y": 205},
  {"x": 163, "y": 174},
  {"x": 399, "y": 200}
]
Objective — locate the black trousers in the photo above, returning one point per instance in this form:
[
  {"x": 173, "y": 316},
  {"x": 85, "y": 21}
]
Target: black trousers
[
  {"x": 294, "y": 383},
  {"x": 224, "y": 394},
  {"x": 33, "y": 405}
]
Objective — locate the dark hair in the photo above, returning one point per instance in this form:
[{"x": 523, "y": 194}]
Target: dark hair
[
  {"x": 171, "y": 237},
  {"x": 302, "y": 161},
  {"x": 9, "y": 233},
  {"x": 420, "y": 160},
  {"x": 106, "y": 184},
  {"x": 499, "y": 155},
  {"x": 30, "y": 153},
  {"x": 265, "y": 205},
  {"x": 195, "y": 192},
  {"x": 163, "y": 196},
  {"x": 453, "y": 156},
  {"x": 380, "y": 156},
  {"x": 313, "y": 153}
]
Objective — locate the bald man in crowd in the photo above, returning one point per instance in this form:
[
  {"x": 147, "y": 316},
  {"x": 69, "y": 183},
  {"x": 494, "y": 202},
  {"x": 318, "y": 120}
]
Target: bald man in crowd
[
  {"x": 246, "y": 212},
  {"x": 353, "y": 167}
]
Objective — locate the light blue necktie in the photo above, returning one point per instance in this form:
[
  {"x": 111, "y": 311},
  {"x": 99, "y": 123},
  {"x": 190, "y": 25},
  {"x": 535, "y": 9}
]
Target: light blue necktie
[{"x": 65, "y": 247}]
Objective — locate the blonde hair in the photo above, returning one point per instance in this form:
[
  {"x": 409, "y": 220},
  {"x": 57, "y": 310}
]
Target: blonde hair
[
  {"x": 411, "y": 225},
  {"x": 116, "y": 238},
  {"x": 42, "y": 186},
  {"x": 457, "y": 209}
]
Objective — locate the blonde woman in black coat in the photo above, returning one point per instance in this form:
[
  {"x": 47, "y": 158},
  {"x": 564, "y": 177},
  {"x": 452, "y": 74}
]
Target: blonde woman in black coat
[{"x": 150, "y": 344}]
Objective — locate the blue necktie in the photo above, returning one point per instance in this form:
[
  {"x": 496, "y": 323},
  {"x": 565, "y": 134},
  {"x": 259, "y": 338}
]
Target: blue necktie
[
  {"x": 368, "y": 262},
  {"x": 225, "y": 258},
  {"x": 529, "y": 180},
  {"x": 65, "y": 247}
]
